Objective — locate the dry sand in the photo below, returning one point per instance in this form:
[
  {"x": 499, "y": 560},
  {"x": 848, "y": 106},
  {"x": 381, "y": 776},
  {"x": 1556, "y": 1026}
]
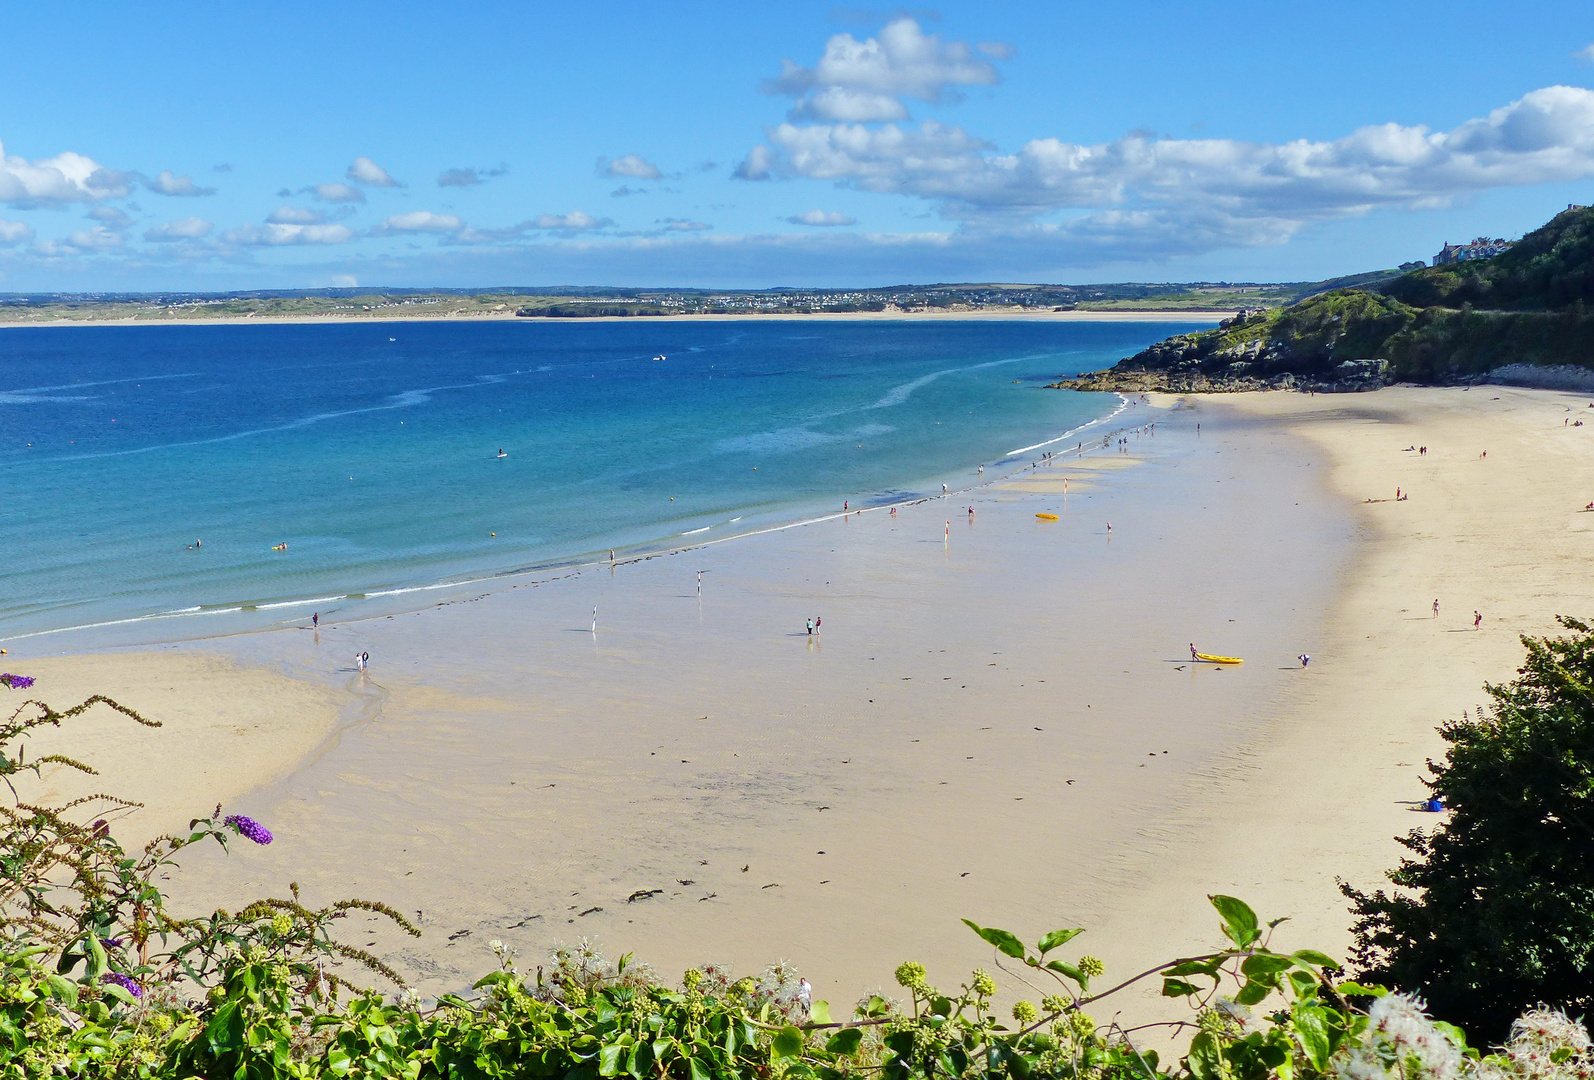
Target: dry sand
[
  {"x": 226, "y": 729},
  {"x": 1002, "y": 726}
]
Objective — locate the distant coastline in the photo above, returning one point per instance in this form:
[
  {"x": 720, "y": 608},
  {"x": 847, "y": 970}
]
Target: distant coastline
[{"x": 1074, "y": 315}]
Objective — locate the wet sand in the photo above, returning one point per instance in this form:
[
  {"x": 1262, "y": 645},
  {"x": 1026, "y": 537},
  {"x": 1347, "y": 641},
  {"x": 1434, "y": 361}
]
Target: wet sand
[{"x": 987, "y": 725}]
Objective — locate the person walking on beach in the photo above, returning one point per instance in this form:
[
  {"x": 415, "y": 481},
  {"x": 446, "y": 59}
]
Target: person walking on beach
[
  {"x": 818, "y": 621},
  {"x": 1304, "y": 659},
  {"x": 1477, "y": 620},
  {"x": 1436, "y": 607},
  {"x": 365, "y": 660},
  {"x": 810, "y": 628},
  {"x": 1193, "y": 655},
  {"x": 315, "y": 620}
]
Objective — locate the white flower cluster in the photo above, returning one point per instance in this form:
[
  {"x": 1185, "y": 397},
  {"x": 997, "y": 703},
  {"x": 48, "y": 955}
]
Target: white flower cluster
[
  {"x": 1545, "y": 1044},
  {"x": 1400, "y": 1041}
]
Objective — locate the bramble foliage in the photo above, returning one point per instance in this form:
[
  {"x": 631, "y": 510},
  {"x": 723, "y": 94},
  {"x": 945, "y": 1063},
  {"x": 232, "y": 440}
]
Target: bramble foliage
[
  {"x": 98, "y": 980},
  {"x": 1502, "y": 917}
]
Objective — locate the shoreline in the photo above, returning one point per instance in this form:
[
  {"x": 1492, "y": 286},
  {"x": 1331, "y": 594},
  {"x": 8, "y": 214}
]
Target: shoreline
[
  {"x": 967, "y": 682},
  {"x": 829, "y": 316},
  {"x": 510, "y": 578}
]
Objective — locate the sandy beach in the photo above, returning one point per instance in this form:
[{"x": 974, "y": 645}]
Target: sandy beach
[{"x": 998, "y": 719}]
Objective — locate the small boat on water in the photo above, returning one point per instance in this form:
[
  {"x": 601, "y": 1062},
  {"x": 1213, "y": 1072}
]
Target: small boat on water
[
  {"x": 1047, "y": 517},
  {"x": 659, "y": 357},
  {"x": 1218, "y": 659},
  {"x": 501, "y": 452}
]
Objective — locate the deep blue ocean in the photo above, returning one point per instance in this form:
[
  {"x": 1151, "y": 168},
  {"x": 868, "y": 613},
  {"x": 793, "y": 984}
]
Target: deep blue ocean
[{"x": 371, "y": 450}]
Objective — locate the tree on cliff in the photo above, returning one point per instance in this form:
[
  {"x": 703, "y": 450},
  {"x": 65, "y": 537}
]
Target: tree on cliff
[{"x": 1500, "y": 915}]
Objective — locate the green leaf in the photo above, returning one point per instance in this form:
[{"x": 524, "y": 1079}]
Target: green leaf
[
  {"x": 63, "y": 989},
  {"x": 788, "y": 1043},
  {"x": 1356, "y": 989},
  {"x": 1056, "y": 938},
  {"x": 1070, "y": 971},
  {"x": 877, "y": 1006},
  {"x": 698, "y": 1071},
  {"x": 845, "y": 1041},
  {"x": 1251, "y": 993},
  {"x": 491, "y": 979},
  {"x": 120, "y": 993},
  {"x": 609, "y": 1059},
  {"x": 1239, "y": 921},
  {"x": 941, "y": 1006},
  {"x": 1311, "y": 1031},
  {"x": 1208, "y": 968},
  {"x": 1205, "y": 1060},
  {"x": 1315, "y": 958},
  {"x": 1179, "y": 988},
  {"x": 819, "y": 1012},
  {"x": 97, "y": 958},
  {"x": 1005, "y": 943},
  {"x": 1260, "y": 964}
]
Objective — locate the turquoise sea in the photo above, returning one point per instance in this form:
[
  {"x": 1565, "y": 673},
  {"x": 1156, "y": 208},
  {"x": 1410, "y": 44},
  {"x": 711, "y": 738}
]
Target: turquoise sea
[{"x": 372, "y": 450}]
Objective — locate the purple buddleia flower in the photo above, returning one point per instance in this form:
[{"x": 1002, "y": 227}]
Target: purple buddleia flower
[
  {"x": 124, "y": 982},
  {"x": 16, "y": 682},
  {"x": 111, "y": 942},
  {"x": 248, "y": 827}
]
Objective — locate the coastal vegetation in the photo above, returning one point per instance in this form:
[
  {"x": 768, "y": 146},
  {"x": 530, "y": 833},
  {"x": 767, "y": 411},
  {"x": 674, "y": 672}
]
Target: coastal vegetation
[
  {"x": 99, "y": 979},
  {"x": 1444, "y": 324},
  {"x": 580, "y": 302},
  {"x": 1496, "y": 910}
]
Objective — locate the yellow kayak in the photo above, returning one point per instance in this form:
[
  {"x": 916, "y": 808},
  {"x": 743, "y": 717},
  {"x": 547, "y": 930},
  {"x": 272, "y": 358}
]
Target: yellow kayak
[
  {"x": 1219, "y": 659},
  {"x": 1047, "y": 517}
]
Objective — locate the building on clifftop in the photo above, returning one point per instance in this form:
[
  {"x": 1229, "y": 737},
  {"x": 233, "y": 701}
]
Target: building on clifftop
[{"x": 1480, "y": 248}]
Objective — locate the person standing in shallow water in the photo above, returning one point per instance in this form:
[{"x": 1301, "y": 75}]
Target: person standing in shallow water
[
  {"x": 810, "y": 628},
  {"x": 315, "y": 620}
]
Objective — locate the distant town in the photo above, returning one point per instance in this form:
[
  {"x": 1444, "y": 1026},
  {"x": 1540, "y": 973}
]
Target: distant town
[{"x": 581, "y": 302}]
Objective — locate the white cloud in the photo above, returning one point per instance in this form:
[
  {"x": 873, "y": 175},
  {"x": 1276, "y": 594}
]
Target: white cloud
[
  {"x": 1217, "y": 191},
  {"x": 575, "y": 221},
  {"x": 336, "y": 193},
  {"x": 112, "y": 217},
  {"x": 864, "y": 81},
  {"x": 468, "y": 177},
  {"x": 83, "y": 242},
  {"x": 822, "y": 218},
  {"x": 1585, "y": 54},
  {"x": 366, "y": 171},
  {"x": 632, "y": 166},
  {"x": 65, "y": 178},
  {"x": 188, "y": 228},
  {"x": 684, "y": 225},
  {"x": 168, "y": 183},
  {"x": 13, "y": 233},
  {"x": 759, "y": 164},
  {"x": 284, "y": 235},
  {"x": 295, "y": 215},
  {"x": 419, "y": 221},
  {"x": 344, "y": 281}
]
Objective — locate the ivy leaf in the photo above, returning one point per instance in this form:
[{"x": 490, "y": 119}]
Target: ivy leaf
[
  {"x": 788, "y": 1043},
  {"x": 845, "y": 1041},
  {"x": 819, "y": 1012},
  {"x": 609, "y": 1059},
  {"x": 1005, "y": 943},
  {"x": 1056, "y": 938}
]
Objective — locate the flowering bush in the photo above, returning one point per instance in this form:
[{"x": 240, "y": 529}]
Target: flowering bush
[{"x": 98, "y": 980}]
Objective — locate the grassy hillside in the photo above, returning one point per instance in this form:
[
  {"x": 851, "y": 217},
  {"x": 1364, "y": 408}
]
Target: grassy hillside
[{"x": 1436, "y": 325}]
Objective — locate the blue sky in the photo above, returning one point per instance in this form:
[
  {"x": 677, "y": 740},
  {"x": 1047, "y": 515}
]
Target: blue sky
[{"x": 204, "y": 146}]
